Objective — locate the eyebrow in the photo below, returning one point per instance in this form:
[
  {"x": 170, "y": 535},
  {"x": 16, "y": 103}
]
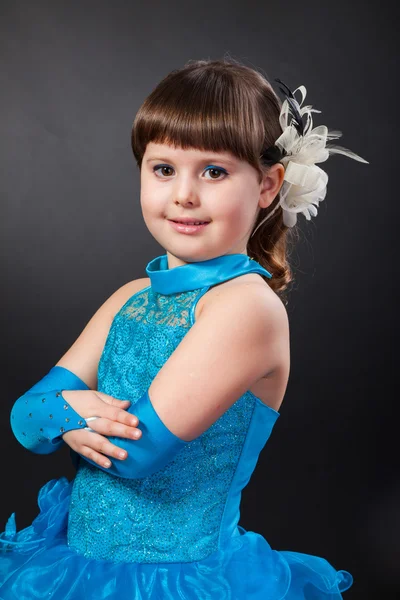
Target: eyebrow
[{"x": 209, "y": 159}]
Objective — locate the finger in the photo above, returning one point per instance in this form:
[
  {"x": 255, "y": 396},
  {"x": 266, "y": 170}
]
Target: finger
[
  {"x": 114, "y": 410},
  {"x": 78, "y": 438},
  {"x": 102, "y": 445},
  {"x": 114, "y": 414},
  {"x": 117, "y": 414},
  {"x": 113, "y": 428},
  {"x": 95, "y": 457},
  {"x": 111, "y": 400},
  {"x": 122, "y": 416}
]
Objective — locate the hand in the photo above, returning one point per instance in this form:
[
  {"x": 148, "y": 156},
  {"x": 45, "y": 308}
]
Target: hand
[{"x": 113, "y": 421}]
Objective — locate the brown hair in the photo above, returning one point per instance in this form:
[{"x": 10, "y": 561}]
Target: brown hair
[{"x": 222, "y": 105}]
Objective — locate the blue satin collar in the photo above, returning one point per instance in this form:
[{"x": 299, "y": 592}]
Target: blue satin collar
[{"x": 193, "y": 276}]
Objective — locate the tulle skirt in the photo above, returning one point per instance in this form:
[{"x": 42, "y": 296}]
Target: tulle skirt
[{"x": 37, "y": 562}]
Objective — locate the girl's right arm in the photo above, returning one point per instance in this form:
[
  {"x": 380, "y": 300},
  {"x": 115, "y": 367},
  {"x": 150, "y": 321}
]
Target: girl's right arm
[
  {"x": 40, "y": 417},
  {"x": 83, "y": 356}
]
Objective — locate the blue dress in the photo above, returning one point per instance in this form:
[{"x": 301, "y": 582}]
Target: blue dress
[{"x": 172, "y": 535}]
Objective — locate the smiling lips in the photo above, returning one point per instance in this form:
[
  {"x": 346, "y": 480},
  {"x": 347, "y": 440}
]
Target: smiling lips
[
  {"x": 189, "y": 221},
  {"x": 188, "y": 227}
]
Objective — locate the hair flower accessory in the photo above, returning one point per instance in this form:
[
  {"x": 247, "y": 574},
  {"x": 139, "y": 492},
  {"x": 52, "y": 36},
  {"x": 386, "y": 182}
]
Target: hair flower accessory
[{"x": 298, "y": 148}]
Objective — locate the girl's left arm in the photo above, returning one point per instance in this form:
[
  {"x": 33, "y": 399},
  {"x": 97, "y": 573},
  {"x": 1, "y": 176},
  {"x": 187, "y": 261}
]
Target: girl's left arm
[{"x": 239, "y": 336}]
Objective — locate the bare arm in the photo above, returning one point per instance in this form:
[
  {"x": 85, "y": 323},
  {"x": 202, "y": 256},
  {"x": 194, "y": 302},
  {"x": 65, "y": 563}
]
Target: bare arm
[
  {"x": 38, "y": 416},
  {"x": 241, "y": 335},
  {"x": 83, "y": 356}
]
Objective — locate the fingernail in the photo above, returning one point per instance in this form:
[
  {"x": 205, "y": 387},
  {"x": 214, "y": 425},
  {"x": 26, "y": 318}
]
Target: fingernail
[
  {"x": 135, "y": 421},
  {"x": 107, "y": 463}
]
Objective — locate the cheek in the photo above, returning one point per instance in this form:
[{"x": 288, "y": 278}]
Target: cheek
[
  {"x": 148, "y": 195},
  {"x": 239, "y": 201},
  {"x": 237, "y": 211},
  {"x": 151, "y": 202}
]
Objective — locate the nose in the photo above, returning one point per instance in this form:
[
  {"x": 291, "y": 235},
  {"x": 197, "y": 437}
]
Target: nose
[
  {"x": 185, "y": 201},
  {"x": 185, "y": 193}
]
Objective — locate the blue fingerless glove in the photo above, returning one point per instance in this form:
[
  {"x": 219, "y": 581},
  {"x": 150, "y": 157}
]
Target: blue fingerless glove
[
  {"x": 41, "y": 416},
  {"x": 156, "y": 447}
]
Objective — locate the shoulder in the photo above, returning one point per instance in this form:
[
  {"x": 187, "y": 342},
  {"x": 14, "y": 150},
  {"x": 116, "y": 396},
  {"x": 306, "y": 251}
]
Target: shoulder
[
  {"x": 126, "y": 291},
  {"x": 136, "y": 285},
  {"x": 251, "y": 298},
  {"x": 253, "y": 318},
  {"x": 132, "y": 287}
]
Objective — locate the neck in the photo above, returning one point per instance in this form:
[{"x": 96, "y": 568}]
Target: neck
[{"x": 175, "y": 261}]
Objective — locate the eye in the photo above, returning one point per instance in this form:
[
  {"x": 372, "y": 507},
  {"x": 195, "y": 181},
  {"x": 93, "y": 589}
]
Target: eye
[
  {"x": 166, "y": 171},
  {"x": 158, "y": 167},
  {"x": 216, "y": 170}
]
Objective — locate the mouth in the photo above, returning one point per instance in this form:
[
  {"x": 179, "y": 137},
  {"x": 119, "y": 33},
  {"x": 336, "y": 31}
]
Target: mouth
[
  {"x": 189, "y": 222},
  {"x": 189, "y": 227}
]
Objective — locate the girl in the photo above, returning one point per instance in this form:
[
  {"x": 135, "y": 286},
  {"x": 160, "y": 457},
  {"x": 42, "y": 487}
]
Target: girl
[{"x": 194, "y": 359}]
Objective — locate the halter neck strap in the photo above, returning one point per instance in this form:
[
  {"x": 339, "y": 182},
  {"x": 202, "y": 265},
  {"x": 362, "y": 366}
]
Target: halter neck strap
[{"x": 193, "y": 276}]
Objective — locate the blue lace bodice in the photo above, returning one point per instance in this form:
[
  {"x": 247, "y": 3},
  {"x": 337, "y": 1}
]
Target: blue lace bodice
[{"x": 183, "y": 512}]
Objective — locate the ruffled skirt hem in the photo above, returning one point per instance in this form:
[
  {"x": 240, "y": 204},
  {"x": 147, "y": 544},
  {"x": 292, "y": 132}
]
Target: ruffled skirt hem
[{"x": 38, "y": 563}]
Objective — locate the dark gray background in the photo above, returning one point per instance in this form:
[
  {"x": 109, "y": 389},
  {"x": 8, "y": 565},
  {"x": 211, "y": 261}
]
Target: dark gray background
[{"x": 72, "y": 77}]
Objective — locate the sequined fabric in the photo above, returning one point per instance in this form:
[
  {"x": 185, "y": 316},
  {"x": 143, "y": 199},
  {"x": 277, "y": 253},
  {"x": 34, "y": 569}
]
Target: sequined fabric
[{"x": 172, "y": 515}]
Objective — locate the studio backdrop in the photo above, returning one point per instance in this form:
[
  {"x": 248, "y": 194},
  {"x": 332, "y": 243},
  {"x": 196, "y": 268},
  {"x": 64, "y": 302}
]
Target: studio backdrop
[{"x": 72, "y": 78}]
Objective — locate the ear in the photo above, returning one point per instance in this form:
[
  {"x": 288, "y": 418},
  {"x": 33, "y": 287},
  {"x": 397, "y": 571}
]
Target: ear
[{"x": 271, "y": 184}]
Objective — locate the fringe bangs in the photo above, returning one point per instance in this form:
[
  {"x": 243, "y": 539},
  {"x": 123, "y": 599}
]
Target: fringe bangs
[{"x": 205, "y": 110}]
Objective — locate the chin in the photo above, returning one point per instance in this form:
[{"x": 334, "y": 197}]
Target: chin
[{"x": 187, "y": 257}]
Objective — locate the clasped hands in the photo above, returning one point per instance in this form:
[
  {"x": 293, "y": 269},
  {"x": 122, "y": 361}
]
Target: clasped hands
[{"x": 112, "y": 419}]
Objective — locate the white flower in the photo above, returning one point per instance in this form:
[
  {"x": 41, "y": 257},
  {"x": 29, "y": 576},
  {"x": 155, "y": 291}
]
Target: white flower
[{"x": 304, "y": 184}]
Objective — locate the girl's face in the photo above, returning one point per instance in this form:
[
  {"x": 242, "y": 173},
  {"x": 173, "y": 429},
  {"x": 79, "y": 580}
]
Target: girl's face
[{"x": 203, "y": 186}]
